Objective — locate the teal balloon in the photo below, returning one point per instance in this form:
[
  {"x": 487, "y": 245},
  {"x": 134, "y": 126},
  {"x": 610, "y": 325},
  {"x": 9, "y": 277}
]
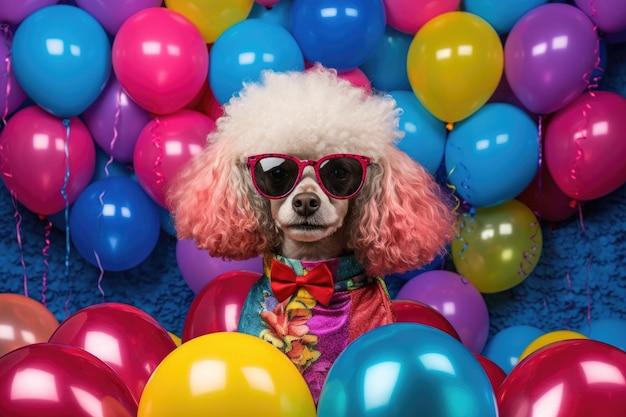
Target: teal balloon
[
  {"x": 608, "y": 330},
  {"x": 424, "y": 135},
  {"x": 386, "y": 68},
  {"x": 407, "y": 369},
  {"x": 493, "y": 155},
  {"x": 61, "y": 59},
  {"x": 506, "y": 346},
  {"x": 501, "y": 15}
]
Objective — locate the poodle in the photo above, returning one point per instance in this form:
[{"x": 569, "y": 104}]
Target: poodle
[{"x": 303, "y": 169}]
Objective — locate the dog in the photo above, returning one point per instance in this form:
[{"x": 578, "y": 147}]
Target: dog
[{"x": 303, "y": 168}]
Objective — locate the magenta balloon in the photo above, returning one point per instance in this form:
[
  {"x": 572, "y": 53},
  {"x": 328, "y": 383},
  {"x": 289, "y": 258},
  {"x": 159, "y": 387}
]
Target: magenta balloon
[
  {"x": 112, "y": 13},
  {"x": 57, "y": 380},
  {"x": 609, "y": 15},
  {"x": 11, "y": 94},
  {"x": 550, "y": 55},
  {"x": 198, "y": 268},
  {"x": 115, "y": 121},
  {"x": 456, "y": 299},
  {"x": 13, "y": 12}
]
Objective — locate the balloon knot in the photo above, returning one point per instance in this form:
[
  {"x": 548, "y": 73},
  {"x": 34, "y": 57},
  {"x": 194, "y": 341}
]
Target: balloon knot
[{"x": 450, "y": 126}]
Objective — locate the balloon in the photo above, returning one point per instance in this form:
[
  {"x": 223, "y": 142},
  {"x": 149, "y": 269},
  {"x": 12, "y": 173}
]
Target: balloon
[
  {"x": 494, "y": 372},
  {"x": 33, "y": 162},
  {"x": 12, "y": 95},
  {"x": 357, "y": 78},
  {"x": 105, "y": 167},
  {"x": 167, "y": 222},
  {"x": 176, "y": 339},
  {"x": 386, "y": 68},
  {"x": 61, "y": 58},
  {"x": 454, "y": 64},
  {"x": 58, "y": 380},
  {"x": 24, "y": 321},
  {"x": 115, "y": 121},
  {"x": 217, "y": 306},
  {"x": 13, "y": 12},
  {"x": 608, "y": 15},
  {"x": 124, "y": 337},
  {"x": 112, "y": 13},
  {"x": 340, "y": 35},
  {"x": 161, "y": 70},
  {"x": 208, "y": 104},
  {"x": 247, "y": 48},
  {"x": 409, "y": 16},
  {"x": 268, "y": 3},
  {"x": 549, "y": 56},
  {"x": 400, "y": 368},
  {"x": 506, "y": 346},
  {"x": 608, "y": 330},
  {"x": 226, "y": 374},
  {"x": 501, "y": 15},
  {"x": 213, "y": 17},
  {"x": 278, "y": 13},
  {"x": 164, "y": 145},
  {"x": 583, "y": 145},
  {"x": 411, "y": 311},
  {"x": 573, "y": 378},
  {"x": 456, "y": 299},
  {"x": 493, "y": 155},
  {"x": 198, "y": 268},
  {"x": 424, "y": 137},
  {"x": 549, "y": 338},
  {"x": 436, "y": 263},
  {"x": 114, "y": 224},
  {"x": 498, "y": 247}
]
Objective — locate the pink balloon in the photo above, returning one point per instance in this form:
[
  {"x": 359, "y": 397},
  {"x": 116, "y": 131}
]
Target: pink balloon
[
  {"x": 357, "y": 77},
  {"x": 585, "y": 147},
  {"x": 609, "y": 15},
  {"x": 33, "y": 162},
  {"x": 409, "y": 16},
  {"x": 161, "y": 59},
  {"x": 267, "y": 3},
  {"x": 164, "y": 144}
]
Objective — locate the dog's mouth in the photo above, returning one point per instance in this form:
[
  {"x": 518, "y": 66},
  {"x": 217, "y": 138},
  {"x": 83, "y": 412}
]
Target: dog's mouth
[{"x": 308, "y": 227}]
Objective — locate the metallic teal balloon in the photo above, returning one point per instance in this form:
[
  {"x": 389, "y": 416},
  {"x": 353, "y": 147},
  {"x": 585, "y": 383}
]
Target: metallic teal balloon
[{"x": 407, "y": 369}]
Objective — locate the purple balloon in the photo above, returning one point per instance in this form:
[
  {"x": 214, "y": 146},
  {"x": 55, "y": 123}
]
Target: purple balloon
[
  {"x": 456, "y": 299},
  {"x": 112, "y": 13},
  {"x": 13, "y": 12},
  {"x": 115, "y": 121},
  {"x": 550, "y": 55},
  {"x": 11, "y": 94},
  {"x": 198, "y": 268},
  {"x": 609, "y": 15}
]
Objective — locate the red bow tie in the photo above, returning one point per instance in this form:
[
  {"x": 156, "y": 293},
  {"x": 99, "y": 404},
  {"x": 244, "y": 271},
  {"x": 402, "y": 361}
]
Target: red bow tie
[{"x": 318, "y": 282}]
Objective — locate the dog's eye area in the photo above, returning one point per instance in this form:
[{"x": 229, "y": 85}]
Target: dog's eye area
[
  {"x": 277, "y": 174},
  {"x": 341, "y": 176}
]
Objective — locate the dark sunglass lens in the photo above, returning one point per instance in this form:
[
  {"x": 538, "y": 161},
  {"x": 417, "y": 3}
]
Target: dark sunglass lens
[
  {"x": 341, "y": 176},
  {"x": 275, "y": 176}
]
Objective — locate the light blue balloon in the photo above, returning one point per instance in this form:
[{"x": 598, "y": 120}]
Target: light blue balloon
[
  {"x": 244, "y": 50},
  {"x": 279, "y": 14},
  {"x": 61, "y": 59},
  {"x": 386, "y": 69},
  {"x": 609, "y": 330},
  {"x": 424, "y": 135},
  {"x": 493, "y": 155},
  {"x": 506, "y": 346},
  {"x": 501, "y": 15},
  {"x": 406, "y": 369}
]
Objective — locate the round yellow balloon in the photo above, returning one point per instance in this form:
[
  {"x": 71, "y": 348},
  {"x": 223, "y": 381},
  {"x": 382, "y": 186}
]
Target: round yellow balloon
[
  {"x": 212, "y": 17},
  {"x": 226, "y": 374},
  {"x": 454, "y": 63},
  {"x": 175, "y": 338},
  {"x": 497, "y": 247},
  {"x": 548, "y": 338}
]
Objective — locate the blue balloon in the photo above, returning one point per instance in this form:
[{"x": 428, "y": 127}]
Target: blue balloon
[
  {"x": 247, "y": 48},
  {"x": 340, "y": 34},
  {"x": 279, "y": 14},
  {"x": 61, "y": 59},
  {"x": 493, "y": 155},
  {"x": 406, "y": 369},
  {"x": 424, "y": 135},
  {"x": 436, "y": 263},
  {"x": 609, "y": 330},
  {"x": 167, "y": 221},
  {"x": 506, "y": 346},
  {"x": 113, "y": 221},
  {"x": 501, "y": 15},
  {"x": 386, "y": 69}
]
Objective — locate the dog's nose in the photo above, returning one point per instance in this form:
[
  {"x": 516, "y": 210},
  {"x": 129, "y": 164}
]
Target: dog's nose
[{"x": 305, "y": 204}]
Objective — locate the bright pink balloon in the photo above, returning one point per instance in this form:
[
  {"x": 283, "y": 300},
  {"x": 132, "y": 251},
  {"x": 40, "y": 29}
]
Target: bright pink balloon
[
  {"x": 124, "y": 337},
  {"x": 411, "y": 311},
  {"x": 609, "y": 15},
  {"x": 572, "y": 378},
  {"x": 267, "y": 3},
  {"x": 409, "y": 16},
  {"x": 33, "y": 162},
  {"x": 57, "y": 380},
  {"x": 357, "y": 77},
  {"x": 166, "y": 143},
  {"x": 585, "y": 147},
  {"x": 161, "y": 59}
]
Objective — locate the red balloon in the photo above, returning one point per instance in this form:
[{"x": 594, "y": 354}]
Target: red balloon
[
  {"x": 217, "y": 307},
  {"x": 495, "y": 374},
  {"x": 411, "y": 311},
  {"x": 124, "y": 337},
  {"x": 55, "y": 380},
  {"x": 571, "y": 378}
]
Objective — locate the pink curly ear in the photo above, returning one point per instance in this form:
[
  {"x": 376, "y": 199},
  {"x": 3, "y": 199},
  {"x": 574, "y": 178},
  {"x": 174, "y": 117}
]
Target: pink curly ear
[
  {"x": 209, "y": 203},
  {"x": 404, "y": 221}
]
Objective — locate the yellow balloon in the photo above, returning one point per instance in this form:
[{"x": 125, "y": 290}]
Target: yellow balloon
[
  {"x": 454, "y": 64},
  {"x": 212, "y": 17},
  {"x": 497, "y": 247},
  {"x": 175, "y": 338},
  {"x": 226, "y": 374},
  {"x": 548, "y": 338}
]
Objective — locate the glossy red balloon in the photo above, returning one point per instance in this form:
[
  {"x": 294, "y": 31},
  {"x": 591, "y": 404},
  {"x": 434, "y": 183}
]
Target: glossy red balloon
[
  {"x": 495, "y": 374},
  {"x": 124, "y": 337},
  {"x": 55, "y": 380},
  {"x": 571, "y": 378},
  {"x": 411, "y": 311},
  {"x": 217, "y": 307}
]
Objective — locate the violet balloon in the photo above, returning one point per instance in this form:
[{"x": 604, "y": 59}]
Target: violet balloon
[
  {"x": 609, "y": 15},
  {"x": 112, "y": 13},
  {"x": 11, "y": 93},
  {"x": 14, "y": 12}
]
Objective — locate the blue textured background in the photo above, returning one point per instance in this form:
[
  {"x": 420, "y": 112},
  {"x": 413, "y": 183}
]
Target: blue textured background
[{"x": 579, "y": 276}]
